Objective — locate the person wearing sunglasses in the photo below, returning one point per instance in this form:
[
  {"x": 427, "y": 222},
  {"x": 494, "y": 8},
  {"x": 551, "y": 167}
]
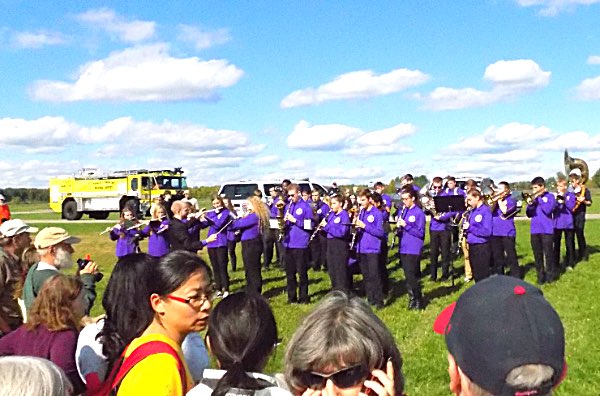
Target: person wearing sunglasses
[
  {"x": 342, "y": 347},
  {"x": 440, "y": 236}
]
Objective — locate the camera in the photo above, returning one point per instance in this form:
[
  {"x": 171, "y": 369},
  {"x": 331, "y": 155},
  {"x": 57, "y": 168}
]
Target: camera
[{"x": 82, "y": 262}]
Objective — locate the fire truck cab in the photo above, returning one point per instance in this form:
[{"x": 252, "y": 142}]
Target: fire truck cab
[{"x": 97, "y": 193}]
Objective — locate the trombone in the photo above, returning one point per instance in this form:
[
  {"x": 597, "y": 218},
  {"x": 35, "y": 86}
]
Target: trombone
[
  {"x": 492, "y": 199},
  {"x": 529, "y": 198}
]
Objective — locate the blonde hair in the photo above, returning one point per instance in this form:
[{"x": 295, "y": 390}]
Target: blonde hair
[
  {"x": 262, "y": 212},
  {"x": 53, "y": 307}
]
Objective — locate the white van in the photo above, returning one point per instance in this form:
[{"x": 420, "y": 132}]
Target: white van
[{"x": 238, "y": 191}]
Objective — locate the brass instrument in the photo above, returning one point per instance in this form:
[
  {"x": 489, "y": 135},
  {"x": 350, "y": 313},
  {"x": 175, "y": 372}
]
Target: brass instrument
[
  {"x": 577, "y": 163},
  {"x": 560, "y": 198},
  {"x": 428, "y": 204},
  {"x": 462, "y": 233},
  {"x": 492, "y": 199},
  {"x": 529, "y": 198},
  {"x": 281, "y": 218}
]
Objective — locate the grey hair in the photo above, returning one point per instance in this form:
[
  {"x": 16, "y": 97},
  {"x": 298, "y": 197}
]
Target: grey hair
[
  {"x": 528, "y": 376},
  {"x": 342, "y": 331},
  {"x": 26, "y": 375}
]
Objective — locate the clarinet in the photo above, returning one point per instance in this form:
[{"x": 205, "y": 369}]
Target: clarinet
[{"x": 319, "y": 227}]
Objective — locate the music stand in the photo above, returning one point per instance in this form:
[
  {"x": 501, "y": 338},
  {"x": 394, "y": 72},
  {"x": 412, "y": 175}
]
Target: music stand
[{"x": 446, "y": 204}]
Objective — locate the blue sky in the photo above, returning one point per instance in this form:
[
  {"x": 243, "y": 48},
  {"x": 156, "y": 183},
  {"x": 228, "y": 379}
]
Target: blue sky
[{"x": 347, "y": 91}]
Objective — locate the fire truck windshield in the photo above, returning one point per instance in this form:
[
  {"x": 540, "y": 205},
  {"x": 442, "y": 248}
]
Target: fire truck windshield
[{"x": 170, "y": 183}]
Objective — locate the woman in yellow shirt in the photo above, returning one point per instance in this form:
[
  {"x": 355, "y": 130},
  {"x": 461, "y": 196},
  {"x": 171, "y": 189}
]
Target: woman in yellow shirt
[{"x": 181, "y": 298}]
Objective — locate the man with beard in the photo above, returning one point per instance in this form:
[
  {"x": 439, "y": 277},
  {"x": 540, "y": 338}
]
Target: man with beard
[{"x": 54, "y": 245}]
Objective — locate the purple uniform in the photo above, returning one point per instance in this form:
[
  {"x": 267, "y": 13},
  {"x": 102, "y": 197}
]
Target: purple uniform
[
  {"x": 297, "y": 234},
  {"x": 338, "y": 225},
  {"x": 369, "y": 238},
  {"x": 322, "y": 210},
  {"x": 455, "y": 191},
  {"x": 480, "y": 225},
  {"x": 215, "y": 221},
  {"x": 158, "y": 243},
  {"x": 249, "y": 225},
  {"x": 413, "y": 234},
  {"x": 273, "y": 211},
  {"x": 540, "y": 213},
  {"x": 502, "y": 226},
  {"x": 443, "y": 223},
  {"x": 563, "y": 212},
  {"x": 127, "y": 244}
]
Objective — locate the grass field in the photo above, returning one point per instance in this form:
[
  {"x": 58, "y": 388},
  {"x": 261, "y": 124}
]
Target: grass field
[{"x": 575, "y": 296}]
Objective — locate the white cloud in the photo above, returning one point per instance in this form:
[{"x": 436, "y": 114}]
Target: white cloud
[
  {"x": 356, "y": 85},
  {"x": 293, "y": 165},
  {"x": 593, "y": 60},
  {"x": 589, "y": 89},
  {"x": 508, "y": 78},
  {"x": 574, "y": 141},
  {"x": 141, "y": 74},
  {"x": 266, "y": 160},
  {"x": 133, "y": 31},
  {"x": 37, "y": 39},
  {"x": 554, "y": 7},
  {"x": 203, "y": 39},
  {"x": 321, "y": 137}
]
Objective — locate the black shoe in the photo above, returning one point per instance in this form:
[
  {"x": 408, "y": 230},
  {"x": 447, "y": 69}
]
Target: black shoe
[
  {"x": 433, "y": 279},
  {"x": 292, "y": 301},
  {"x": 419, "y": 301},
  {"x": 304, "y": 301}
]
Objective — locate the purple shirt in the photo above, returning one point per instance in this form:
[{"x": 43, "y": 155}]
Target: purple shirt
[
  {"x": 273, "y": 211},
  {"x": 455, "y": 191},
  {"x": 296, "y": 235},
  {"x": 56, "y": 346},
  {"x": 215, "y": 223},
  {"x": 338, "y": 225},
  {"x": 540, "y": 213},
  {"x": 412, "y": 234},
  {"x": 322, "y": 210},
  {"x": 125, "y": 245},
  {"x": 563, "y": 212},
  {"x": 504, "y": 227},
  {"x": 369, "y": 239},
  {"x": 249, "y": 225},
  {"x": 480, "y": 225},
  {"x": 443, "y": 223},
  {"x": 158, "y": 243}
]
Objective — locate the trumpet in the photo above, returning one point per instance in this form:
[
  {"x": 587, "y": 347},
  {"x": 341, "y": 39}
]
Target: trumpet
[{"x": 529, "y": 198}]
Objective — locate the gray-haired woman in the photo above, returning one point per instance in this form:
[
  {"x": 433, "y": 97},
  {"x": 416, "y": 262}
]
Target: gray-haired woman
[{"x": 342, "y": 347}]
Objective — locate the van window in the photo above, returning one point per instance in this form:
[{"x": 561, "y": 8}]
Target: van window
[{"x": 238, "y": 191}]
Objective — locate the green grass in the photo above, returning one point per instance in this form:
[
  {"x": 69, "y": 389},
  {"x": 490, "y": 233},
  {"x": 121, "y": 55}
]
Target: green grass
[{"x": 575, "y": 296}]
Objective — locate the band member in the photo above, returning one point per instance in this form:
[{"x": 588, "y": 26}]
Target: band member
[
  {"x": 504, "y": 233},
  {"x": 469, "y": 185},
  {"x": 178, "y": 231},
  {"x": 440, "y": 238},
  {"x": 337, "y": 228},
  {"x": 408, "y": 182},
  {"x": 539, "y": 209},
  {"x": 318, "y": 248},
  {"x": 217, "y": 222},
  {"x": 584, "y": 199},
  {"x": 478, "y": 227},
  {"x": 298, "y": 227},
  {"x": 411, "y": 228},
  {"x": 306, "y": 196},
  {"x": 272, "y": 238},
  {"x": 126, "y": 233},
  {"x": 452, "y": 188},
  {"x": 233, "y": 236},
  {"x": 253, "y": 225},
  {"x": 383, "y": 253},
  {"x": 563, "y": 223},
  {"x": 156, "y": 232},
  {"x": 369, "y": 228},
  {"x": 385, "y": 208}
]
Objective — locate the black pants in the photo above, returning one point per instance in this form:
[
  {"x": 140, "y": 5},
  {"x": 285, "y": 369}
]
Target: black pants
[
  {"x": 439, "y": 242},
  {"x": 318, "y": 252},
  {"x": 543, "y": 253},
  {"x": 579, "y": 226},
  {"x": 570, "y": 247},
  {"x": 251, "y": 251},
  {"x": 296, "y": 263},
  {"x": 411, "y": 264},
  {"x": 504, "y": 255},
  {"x": 480, "y": 256},
  {"x": 270, "y": 242},
  {"x": 383, "y": 260},
  {"x": 337, "y": 259},
  {"x": 232, "y": 255},
  {"x": 218, "y": 261},
  {"x": 369, "y": 267}
]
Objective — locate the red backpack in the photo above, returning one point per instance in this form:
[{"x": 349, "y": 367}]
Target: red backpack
[{"x": 122, "y": 366}]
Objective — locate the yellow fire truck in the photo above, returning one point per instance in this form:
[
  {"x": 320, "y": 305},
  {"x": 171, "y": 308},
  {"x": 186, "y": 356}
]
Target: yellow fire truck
[{"x": 97, "y": 193}]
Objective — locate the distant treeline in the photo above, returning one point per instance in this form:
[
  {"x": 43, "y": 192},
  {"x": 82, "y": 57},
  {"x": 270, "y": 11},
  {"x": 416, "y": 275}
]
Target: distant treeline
[{"x": 26, "y": 195}]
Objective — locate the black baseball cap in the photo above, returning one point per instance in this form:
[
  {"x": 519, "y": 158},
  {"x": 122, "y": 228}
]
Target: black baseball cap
[{"x": 499, "y": 324}]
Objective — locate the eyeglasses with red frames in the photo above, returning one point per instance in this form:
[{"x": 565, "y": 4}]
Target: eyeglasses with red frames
[{"x": 194, "y": 302}]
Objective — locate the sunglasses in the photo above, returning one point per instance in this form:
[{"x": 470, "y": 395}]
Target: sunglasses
[{"x": 347, "y": 377}]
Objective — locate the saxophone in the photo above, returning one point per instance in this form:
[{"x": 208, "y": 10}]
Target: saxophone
[
  {"x": 280, "y": 219},
  {"x": 462, "y": 233}
]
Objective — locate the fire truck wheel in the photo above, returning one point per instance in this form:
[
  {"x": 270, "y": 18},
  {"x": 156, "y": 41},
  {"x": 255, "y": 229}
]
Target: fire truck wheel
[{"x": 70, "y": 211}]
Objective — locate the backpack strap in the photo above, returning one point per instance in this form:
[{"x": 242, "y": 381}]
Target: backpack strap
[{"x": 142, "y": 352}]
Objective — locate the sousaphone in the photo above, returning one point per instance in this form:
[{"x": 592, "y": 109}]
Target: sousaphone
[{"x": 576, "y": 163}]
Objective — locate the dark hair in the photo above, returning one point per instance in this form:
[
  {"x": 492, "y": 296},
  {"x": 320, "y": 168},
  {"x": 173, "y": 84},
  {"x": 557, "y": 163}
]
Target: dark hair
[
  {"x": 451, "y": 178},
  {"x": 436, "y": 179},
  {"x": 410, "y": 191},
  {"x": 475, "y": 193},
  {"x": 378, "y": 184},
  {"x": 505, "y": 184},
  {"x": 377, "y": 199},
  {"x": 365, "y": 193},
  {"x": 123, "y": 321},
  {"x": 257, "y": 193},
  {"x": 339, "y": 198},
  {"x": 538, "y": 181},
  {"x": 408, "y": 176},
  {"x": 242, "y": 334},
  {"x": 173, "y": 270}
]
